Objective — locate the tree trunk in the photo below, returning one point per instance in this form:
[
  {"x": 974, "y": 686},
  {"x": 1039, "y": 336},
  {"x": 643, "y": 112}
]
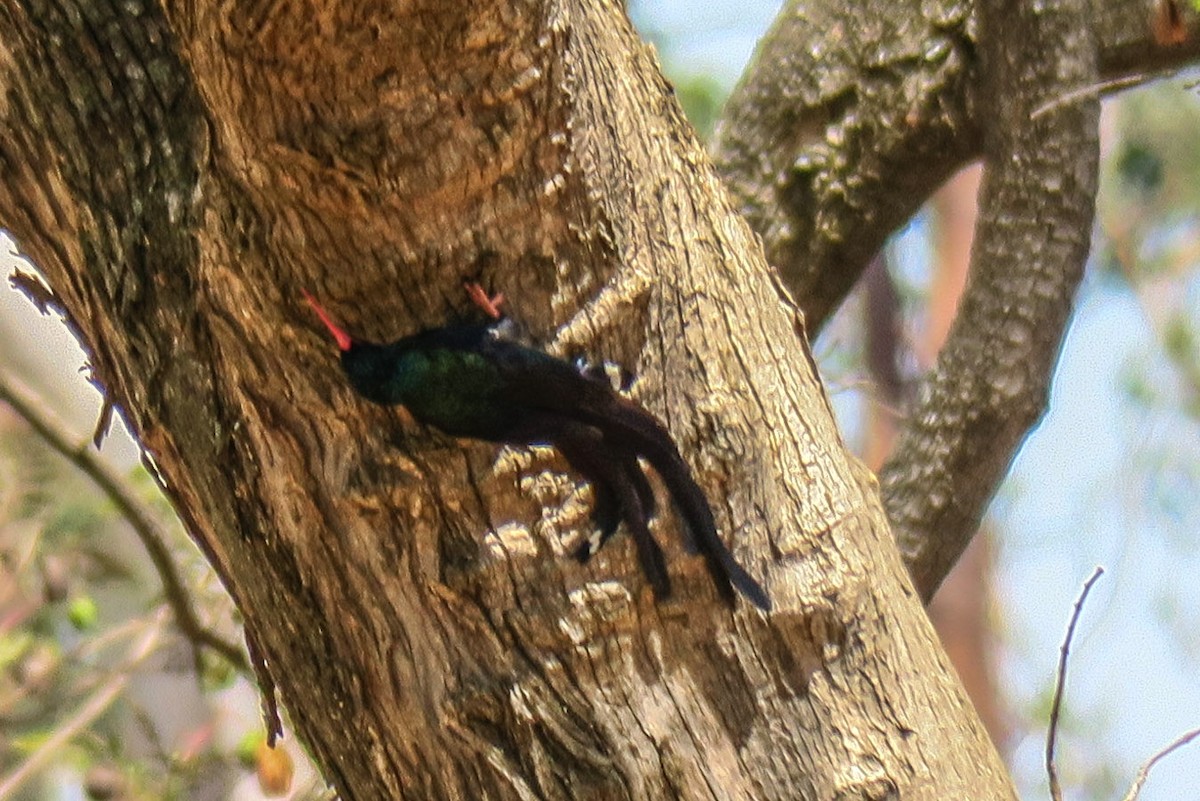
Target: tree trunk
[{"x": 179, "y": 176}]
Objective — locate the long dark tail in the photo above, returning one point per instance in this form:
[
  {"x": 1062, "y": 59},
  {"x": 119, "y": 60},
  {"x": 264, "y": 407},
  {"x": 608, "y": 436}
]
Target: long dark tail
[
  {"x": 620, "y": 495},
  {"x": 606, "y": 508},
  {"x": 629, "y": 428}
]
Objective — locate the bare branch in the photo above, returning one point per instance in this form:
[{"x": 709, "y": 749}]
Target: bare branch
[
  {"x": 1060, "y": 683},
  {"x": 1096, "y": 90},
  {"x": 1144, "y": 773},
  {"x": 1037, "y": 202},
  {"x": 52, "y": 430},
  {"x": 1056, "y": 706}
]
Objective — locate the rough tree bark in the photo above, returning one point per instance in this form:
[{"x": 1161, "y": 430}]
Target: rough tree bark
[
  {"x": 845, "y": 122},
  {"x": 179, "y": 172},
  {"x": 1037, "y": 201}
]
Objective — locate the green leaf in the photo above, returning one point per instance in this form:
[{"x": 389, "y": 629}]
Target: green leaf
[
  {"x": 218, "y": 674},
  {"x": 83, "y": 612},
  {"x": 30, "y": 741},
  {"x": 248, "y": 747},
  {"x": 13, "y": 646}
]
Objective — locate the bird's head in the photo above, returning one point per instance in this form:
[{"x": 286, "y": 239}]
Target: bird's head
[{"x": 369, "y": 366}]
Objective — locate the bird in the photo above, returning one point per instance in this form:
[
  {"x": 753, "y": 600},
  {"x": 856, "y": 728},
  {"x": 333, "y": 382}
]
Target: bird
[{"x": 473, "y": 380}]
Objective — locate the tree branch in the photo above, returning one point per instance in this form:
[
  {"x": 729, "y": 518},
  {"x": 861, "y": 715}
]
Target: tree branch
[
  {"x": 53, "y": 431},
  {"x": 842, "y": 126},
  {"x": 1037, "y": 201},
  {"x": 1060, "y": 684},
  {"x": 1144, "y": 772}
]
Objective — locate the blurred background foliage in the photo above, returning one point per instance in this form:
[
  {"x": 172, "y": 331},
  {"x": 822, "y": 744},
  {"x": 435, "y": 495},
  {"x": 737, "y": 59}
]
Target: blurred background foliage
[{"x": 102, "y": 697}]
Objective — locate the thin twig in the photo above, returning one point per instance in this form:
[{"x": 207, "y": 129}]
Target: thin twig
[
  {"x": 1144, "y": 772},
  {"x": 1095, "y": 90},
  {"x": 91, "y": 709},
  {"x": 1052, "y": 734},
  {"x": 36, "y": 413}
]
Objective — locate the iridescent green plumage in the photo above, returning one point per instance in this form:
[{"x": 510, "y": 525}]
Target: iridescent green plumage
[{"x": 470, "y": 381}]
